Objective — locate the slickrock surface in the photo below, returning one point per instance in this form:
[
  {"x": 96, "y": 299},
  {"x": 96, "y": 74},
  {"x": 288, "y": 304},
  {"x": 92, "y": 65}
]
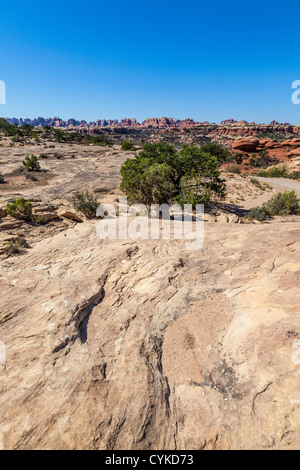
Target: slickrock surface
[
  {"x": 143, "y": 345},
  {"x": 94, "y": 168}
]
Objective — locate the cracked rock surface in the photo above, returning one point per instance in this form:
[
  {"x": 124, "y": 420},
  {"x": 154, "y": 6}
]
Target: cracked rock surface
[{"x": 144, "y": 345}]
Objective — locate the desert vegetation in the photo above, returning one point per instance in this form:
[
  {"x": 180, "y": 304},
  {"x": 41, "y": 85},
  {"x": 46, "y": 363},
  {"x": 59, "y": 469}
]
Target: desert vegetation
[
  {"x": 281, "y": 204},
  {"x": 14, "y": 247},
  {"x": 31, "y": 164},
  {"x": 127, "y": 146},
  {"x": 262, "y": 159},
  {"x": 76, "y": 137},
  {"x": 280, "y": 171},
  {"x": 85, "y": 203},
  {"x": 21, "y": 209},
  {"x": 235, "y": 169},
  {"x": 26, "y": 132},
  {"x": 161, "y": 174}
]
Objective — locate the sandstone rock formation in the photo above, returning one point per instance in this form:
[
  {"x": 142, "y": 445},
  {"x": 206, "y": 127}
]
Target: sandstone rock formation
[
  {"x": 294, "y": 153},
  {"x": 228, "y": 126},
  {"x": 142, "y": 345},
  {"x": 269, "y": 144},
  {"x": 248, "y": 145},
  {"x": 291, "y": 143},
  {"x": 228, "y": 121}
]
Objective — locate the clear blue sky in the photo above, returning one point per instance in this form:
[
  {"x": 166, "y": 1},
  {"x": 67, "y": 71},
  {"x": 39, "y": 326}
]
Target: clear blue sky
[{"x": 208, "y": 60}]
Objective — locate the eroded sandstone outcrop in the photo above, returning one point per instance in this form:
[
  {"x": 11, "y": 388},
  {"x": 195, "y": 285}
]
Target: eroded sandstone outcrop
[
  {"x": 143, "y": 345},
  {"x": 248, "y": 145}
]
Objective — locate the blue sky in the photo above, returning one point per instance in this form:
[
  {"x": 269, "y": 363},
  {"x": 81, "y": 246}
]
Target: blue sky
[{"x": 199, "y": 59}]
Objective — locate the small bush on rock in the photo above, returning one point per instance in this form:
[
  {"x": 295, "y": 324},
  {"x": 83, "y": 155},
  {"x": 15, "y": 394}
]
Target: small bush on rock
[
  {"x": 21, "y": 209},
  {"x": 281, "y": 204},
  {"x": 278, "y": 172},
  {"x": 258, "y": 213},
  {"x": 128, "y": 146},
  {"x": 233, "y": 169},
  {"x": 256, "y": 182},
  {"x": 286, "y": 203},
  {"x": 85, "y": 203},
  {"x": 31, "y": 164},
  {"x": 239, "y": 158},
  {"x": 14, "y": 247},
  {"x": 295, "y": 175}
]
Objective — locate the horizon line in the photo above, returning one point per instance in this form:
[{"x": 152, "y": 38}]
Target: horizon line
[{"x": 41, "y": 121}]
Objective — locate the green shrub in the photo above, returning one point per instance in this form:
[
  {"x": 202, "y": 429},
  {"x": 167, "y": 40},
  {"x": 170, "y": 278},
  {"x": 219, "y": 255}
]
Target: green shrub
[
  {"x": 193, "y": 192},
  {"x": 14, "y": 247},
  {"x": 283, "y": 204},
  {"x": 295, "y": 175},
  {"x": 30, "y": 176},
  {"x": 262, "y": 160},
  {"x": 278, "y": 172},
  {"x": 86, "y": 204},
  {"x": 128, "y": 146},
  {"x": 26, "y": 129},
  {"x": 158, "y": 183},
  {"x": 35, "y": 135},
  {"x": 233, "y": 169},
  {"x": 215, "y": 150},
  {"x": 159, "y": 175},
  {"x": 239, "y": 158},
  {"x": 8, "y": 129},
  {"x": 253, "y": 160},
  {"x": 93, "y": 139},
  {"x": 58, "y": 135},
  {"x": 258, "y": 213},
  {"x": 256, "y": 182},
  {"x": 286, "y": 203},
  {"x": 31, "y": 163},
  {"x": 263, "y": 174},
  {"x": 21, "y": 209},
  {"x": 264, "y": 153},
  {"x": 39, "y": 219}
]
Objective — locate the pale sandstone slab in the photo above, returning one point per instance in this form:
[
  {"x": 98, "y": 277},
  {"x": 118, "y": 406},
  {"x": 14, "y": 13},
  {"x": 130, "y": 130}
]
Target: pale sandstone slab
[{"x": 116, "y": 345}]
